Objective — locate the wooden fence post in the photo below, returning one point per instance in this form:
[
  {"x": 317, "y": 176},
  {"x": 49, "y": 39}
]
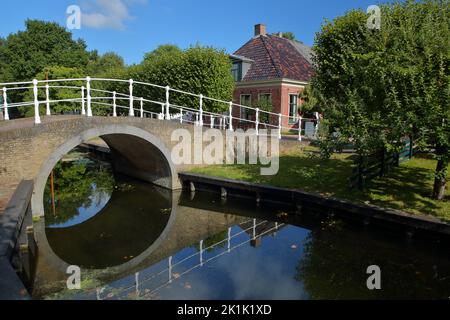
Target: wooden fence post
[
  {"x": 397, "y": 159},
  {"x": 411, "y": 148},
  {"x": 360, "y": 173}
]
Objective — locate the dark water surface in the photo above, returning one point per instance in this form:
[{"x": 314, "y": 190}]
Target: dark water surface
[{"x": 136, "y": 241}]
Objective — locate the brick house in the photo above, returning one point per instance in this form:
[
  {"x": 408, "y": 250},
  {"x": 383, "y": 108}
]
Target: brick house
[{"x": 272, "y": 68}]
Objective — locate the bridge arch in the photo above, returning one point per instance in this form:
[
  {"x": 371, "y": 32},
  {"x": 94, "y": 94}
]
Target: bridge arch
[{"x": 135, "y": 152}]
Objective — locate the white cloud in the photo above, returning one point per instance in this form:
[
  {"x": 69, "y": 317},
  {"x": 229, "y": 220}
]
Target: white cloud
[{"x": 107, "y": 14}]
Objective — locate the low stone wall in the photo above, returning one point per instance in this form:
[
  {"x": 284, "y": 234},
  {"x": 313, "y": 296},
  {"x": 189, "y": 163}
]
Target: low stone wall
[
  {"x": 302, "y": 201},
  {"x": 16, "y": 244}
]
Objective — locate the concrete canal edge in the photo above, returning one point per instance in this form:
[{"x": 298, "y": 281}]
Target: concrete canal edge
[
  {"x": 411, "y": 223},
  {"x": 13, "y": 238}
]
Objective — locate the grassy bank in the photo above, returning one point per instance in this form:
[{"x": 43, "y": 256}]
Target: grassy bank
[{"x": 406, "y": 188}]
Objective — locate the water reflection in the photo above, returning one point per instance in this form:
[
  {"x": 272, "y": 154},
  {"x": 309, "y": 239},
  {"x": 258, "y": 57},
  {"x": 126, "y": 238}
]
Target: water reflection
[
  {"x": 95, "y": 220},
  {"x": 77, "y": 190},
  {"x": 335, "y": 261},
  {"x": 231, "y": 250}
]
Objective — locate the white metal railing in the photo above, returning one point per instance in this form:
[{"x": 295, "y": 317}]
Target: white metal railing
[
  {"x": 168, "y": 272},
  {"x": 198, "y": 115}
]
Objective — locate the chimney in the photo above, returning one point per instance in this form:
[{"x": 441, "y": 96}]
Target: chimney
[{"x": 260, "y": 30}]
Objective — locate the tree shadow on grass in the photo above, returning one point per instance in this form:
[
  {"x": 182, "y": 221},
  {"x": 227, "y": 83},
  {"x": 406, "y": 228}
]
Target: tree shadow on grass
[{"x": 405, "y": 188}]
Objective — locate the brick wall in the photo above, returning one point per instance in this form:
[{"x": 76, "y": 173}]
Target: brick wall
[{"x": 280, "y": 102}]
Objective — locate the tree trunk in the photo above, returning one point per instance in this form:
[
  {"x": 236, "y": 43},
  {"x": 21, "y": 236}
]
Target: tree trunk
[{"x": 440, "y": 179}]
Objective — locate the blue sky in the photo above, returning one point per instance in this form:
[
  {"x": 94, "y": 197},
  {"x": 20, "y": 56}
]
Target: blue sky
[{"x": 133, "y": 27}]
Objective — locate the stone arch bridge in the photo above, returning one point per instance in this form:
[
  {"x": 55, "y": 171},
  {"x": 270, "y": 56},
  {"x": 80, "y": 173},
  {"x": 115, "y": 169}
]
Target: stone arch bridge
[{"x": 140, "y": 147}]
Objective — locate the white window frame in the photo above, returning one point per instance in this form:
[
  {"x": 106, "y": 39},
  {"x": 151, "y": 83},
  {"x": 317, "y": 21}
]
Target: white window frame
[
  {"x": 265, "y": 94},
  {"x": 294, "y": 119},
  {"x": 238, "y": 70},
  {"x": 243, "y": 112}
]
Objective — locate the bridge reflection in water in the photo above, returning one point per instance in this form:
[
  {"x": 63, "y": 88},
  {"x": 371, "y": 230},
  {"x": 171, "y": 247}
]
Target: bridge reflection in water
[
  {"x": 166, "y": 276},
  {"x": 151, "y": 243},
  {"x": 107, "y": 227}
]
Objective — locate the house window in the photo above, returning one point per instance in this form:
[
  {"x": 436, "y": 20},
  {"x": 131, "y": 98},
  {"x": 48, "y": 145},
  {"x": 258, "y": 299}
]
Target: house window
[
  {"x": 236, "y": 71},
  {"x": 265, "y": 98},
  {"x": 246, "y": 100},
  {"x": 264, "y": 104},
  {"x": 293, "y": 107}
]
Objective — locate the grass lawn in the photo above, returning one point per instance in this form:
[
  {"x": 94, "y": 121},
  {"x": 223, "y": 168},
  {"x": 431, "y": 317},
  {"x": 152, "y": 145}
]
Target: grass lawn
[{"x": 406, "y": 188}]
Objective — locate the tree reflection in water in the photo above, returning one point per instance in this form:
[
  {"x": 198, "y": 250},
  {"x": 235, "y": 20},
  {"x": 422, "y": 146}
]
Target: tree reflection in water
[
  {"x": 100, "y": 220},
  {"x": 335, "y": 261},
  {"x": 82, "y": 187}
]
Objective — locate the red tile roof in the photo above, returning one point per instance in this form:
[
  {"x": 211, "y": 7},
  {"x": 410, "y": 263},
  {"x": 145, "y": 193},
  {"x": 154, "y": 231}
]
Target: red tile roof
[{"x": 275, "y": 57}]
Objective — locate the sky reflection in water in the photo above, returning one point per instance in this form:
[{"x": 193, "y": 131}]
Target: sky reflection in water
[{"x": 299, "y": 257}]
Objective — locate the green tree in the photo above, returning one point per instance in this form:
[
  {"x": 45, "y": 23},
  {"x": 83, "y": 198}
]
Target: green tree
[
  {"x": 75, "y": 185},
  {"x": 165, "y": 49},
  {"x": 378, "y": 86},
  {"x": 104, "y": 64},
  {"x": 56, "y": 72},
  {"x": 198, "y": 70},
  {"x": 288, "y": 35},
  {"x": 26, "y": 53},
  {"x": 310, "y": 103}
]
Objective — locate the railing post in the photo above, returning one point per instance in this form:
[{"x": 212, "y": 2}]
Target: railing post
[
  {"x": 136, "y": 280},
  {"x": 361, "y": 179},
  {"x": 131, "y": 112},
  {"x": 170, "y": 269},
  {"x": 5, "y": 103},
  {"x": 161, "y": 116},
  {"x": 257, "y": 121},
  {"x": 201, "y": 111},
  {"x": 211, "y": 120},
  {"x": 142, "y": 107},
  {"x": 201, "y": 253},
  {"x": 229, "y": 240},
  {"x": 382, "y": 164},
  {"x": 114, "y": 104},
  {"x": 37, "y": 118},
  {"x": 98, "y": 292},
  {"x": 196, "y": 119},
  {"x": 411, "y": 147},
  {"x": 300, "y": 128},
  {"x": 231, "y": 116},
  {"x": 88, "y": 95},
  {"x": 83, "y": 102},
  {"x": 316, "y": 129},
  {"x": 167, "y": 103},
  {"x": 279, "y": 125},
  {"x": 254, "y": 229},
  {"x": 221, "y": 123},
  {"x": 47, "y": 100},
  {"x": 181, "y": 115}
]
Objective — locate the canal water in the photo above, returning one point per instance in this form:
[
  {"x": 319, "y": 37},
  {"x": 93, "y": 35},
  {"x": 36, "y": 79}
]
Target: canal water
[{"x": 132, "y": 240}]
